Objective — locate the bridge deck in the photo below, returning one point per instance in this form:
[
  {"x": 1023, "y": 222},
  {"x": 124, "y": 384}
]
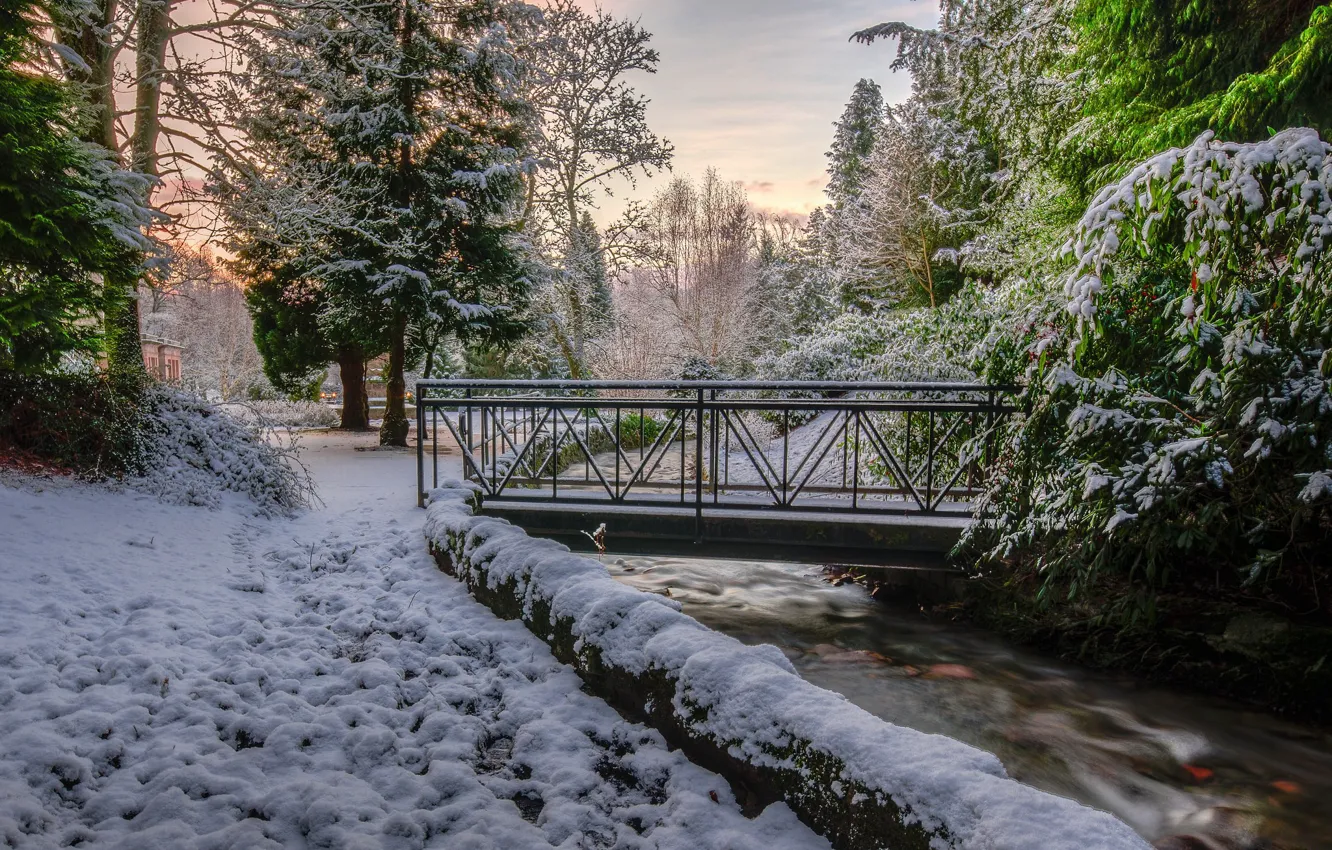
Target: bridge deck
[{"x": 908, "y": 538}]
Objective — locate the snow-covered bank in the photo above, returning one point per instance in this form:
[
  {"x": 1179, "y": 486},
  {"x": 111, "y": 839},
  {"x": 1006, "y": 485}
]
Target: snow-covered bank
[
  {"x": 857, "y": 779},
  {"x": 174, "y": 677}
]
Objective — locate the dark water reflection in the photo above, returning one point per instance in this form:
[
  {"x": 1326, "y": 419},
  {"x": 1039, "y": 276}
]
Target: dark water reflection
[{"x": 1167, "y": 763}]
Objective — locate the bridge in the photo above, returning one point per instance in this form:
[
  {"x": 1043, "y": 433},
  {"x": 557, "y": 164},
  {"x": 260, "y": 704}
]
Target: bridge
[{"x": 866, "y": 472}]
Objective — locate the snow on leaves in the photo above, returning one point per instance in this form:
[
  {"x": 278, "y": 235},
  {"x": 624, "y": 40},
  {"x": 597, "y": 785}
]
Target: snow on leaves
[
  {"x": 1272, "y": 198},
  {"x": 1198, "y": 329}
]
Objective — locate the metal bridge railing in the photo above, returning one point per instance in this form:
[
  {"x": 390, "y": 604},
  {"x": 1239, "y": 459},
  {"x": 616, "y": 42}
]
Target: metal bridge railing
[{"x": 844, "y": 447}]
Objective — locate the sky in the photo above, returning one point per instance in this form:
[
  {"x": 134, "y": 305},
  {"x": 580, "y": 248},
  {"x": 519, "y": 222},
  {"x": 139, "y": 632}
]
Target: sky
[{"x": 752, "y": 87}]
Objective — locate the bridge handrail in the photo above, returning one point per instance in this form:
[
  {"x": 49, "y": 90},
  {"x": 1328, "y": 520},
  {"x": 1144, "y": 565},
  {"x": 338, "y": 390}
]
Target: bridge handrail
[
  {"x": 881, "y": 446},
  {"x": 809, "y": 386}
]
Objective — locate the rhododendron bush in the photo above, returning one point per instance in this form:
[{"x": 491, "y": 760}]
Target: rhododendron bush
[{"x": 1179, "y": 417}]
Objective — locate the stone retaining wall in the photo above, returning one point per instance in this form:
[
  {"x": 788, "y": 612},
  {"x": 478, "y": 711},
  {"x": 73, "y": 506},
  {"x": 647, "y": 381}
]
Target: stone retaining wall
[{"x": 746, "y": 714}]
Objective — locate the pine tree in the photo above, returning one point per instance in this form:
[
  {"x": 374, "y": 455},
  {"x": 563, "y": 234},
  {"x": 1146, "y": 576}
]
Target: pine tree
[
  {"x": 999, "y": 68},
  {"x": 591, "y": 266},
  {"x": 68, "y": 216},
  {"x": 298, "y": 335},
  {"x": 859, "y": 127},
  {"x": 390, "y": 147}
]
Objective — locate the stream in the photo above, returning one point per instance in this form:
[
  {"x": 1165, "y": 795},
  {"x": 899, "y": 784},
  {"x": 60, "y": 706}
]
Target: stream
[{"x": 1186, "y": 771}]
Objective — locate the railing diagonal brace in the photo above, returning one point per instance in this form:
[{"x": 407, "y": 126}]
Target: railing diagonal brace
[
  {"x": 573, "y": 432},
  {"x": 667, "y": 429},
  {"x": 814, "y": 468},
  {"x": 890, "y": 459},
  {"x": 531, "y": 440},
  {"x": 504, "y": 435},
  {"x": 767, "y": 482}
]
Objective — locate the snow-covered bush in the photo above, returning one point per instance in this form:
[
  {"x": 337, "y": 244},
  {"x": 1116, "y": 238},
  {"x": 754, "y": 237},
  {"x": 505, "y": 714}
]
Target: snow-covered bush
[
  {"x": 283, "y": 413},
  {"x": 955, "y": 342},
  {"x": 195, "y": 452},
  {"x": 1181, "y": 415}
]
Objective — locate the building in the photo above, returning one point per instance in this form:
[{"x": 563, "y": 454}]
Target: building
[{"x": 162, "y": 358}]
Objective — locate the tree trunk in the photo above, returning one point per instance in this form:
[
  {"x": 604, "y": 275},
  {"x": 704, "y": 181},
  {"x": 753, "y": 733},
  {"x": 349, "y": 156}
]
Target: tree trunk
[
  {"x": 570, "y": 356},
  {"x": 90, "y": 39},
  {"x": 120, "y": 316},
  {"x": 150, "y": 58},
  {"x": 355, "y": 404},
  {"x": 929, "y": 273},
  {"x": 394, "y": 430}
]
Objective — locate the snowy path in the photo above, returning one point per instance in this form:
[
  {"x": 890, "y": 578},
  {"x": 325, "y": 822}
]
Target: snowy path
[{"x": 179, "y": 678}]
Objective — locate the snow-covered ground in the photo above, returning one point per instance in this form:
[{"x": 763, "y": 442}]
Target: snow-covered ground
[{"x": 176, "y": 677}]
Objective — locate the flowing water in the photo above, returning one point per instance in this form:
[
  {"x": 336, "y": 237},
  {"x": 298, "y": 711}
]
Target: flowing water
[{"x": 1186, "y": 771}]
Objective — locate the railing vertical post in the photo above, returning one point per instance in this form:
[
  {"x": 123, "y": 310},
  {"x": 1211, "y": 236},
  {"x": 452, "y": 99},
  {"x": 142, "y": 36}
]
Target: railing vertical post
[
  {"x": 713, "y": 471},
  {"x": 420, "y": 449},
  {"x": 467, "y": 431},
  {"x": 989, "y": 438},
  {"x": 786, "y": 454},
  {"x": 846, "y": 446},
  {"x": 726, "y": 464},
  {"x": 434, "y": 446},
  {"x": 698, "y": 470},
  {"x": 906, "y": 465},
  {"x": 929, "y": 467},
  {"x": 855, "y": 463}
]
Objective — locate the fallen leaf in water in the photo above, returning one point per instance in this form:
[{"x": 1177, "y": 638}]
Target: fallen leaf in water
[
  {"x": 1286, "y": 786},
  {"x": 911, "y": 671},
  {"x": 712, "y": 795},
  {"x": 1200, "y": 774},
  {"x": 827, "y": 649},
  {"x": 950, "y": 671}
]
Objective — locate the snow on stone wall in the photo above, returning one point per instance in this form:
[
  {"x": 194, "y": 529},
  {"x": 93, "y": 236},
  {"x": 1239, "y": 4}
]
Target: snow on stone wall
[{"x": 744, "y": 711}]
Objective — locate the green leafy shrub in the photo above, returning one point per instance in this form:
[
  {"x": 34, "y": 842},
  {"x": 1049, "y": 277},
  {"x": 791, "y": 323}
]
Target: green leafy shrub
[
  {"x": 1180, "y": 425},
  {"x": 638, "y": 431}
]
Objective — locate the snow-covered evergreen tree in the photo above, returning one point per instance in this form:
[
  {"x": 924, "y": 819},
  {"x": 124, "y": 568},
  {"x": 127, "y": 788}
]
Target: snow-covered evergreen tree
[
  {"x": 920, "y": 201},
  {"x": 581, "y": 296},
  {"x": 997, "y": 67},
  {"x": 1166, "y": 70},
  {"x": 853, "y": 141},
  {"x": 387, "y": 143},
  {"x": 71, "y": 220}
]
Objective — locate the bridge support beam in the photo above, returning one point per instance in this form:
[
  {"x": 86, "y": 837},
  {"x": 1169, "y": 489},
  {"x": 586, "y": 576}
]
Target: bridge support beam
[{"x": 812, "y": 537}]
